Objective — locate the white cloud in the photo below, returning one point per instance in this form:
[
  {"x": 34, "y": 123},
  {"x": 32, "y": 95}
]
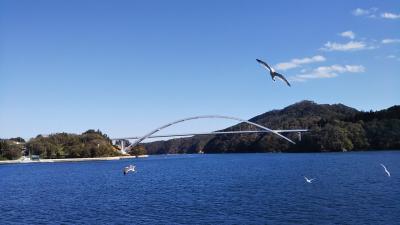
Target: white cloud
[
  {"x": 298, "y": 62},
  {"x": 390, "y": 41},
  {"x": 365, "y": 12},
  {"x": 388, "y": 15},
  {"x": 360, "y": 12},
  {"x": 393, "y": 57},
  {"x": 328, "y": 72},
  {"x": 349, "y": 46},
  {"x": 349, "y": 34}
]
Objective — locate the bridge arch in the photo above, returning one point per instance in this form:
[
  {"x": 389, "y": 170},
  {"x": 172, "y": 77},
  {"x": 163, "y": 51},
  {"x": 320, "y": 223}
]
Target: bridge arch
[{"x": 206, "y": 117}]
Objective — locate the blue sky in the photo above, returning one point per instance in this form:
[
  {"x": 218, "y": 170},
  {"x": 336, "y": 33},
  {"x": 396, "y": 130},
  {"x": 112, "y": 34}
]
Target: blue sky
[{"x": 126, "y": 67}]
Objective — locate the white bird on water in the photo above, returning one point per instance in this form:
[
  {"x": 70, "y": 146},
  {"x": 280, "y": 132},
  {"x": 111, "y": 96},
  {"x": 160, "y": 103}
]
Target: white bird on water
[
  {"x": 130, "y": 168},
  {"x": 272, "y": 72},
  {"x": 387, "y": 172},
  {"x": 309, "y": 180}
]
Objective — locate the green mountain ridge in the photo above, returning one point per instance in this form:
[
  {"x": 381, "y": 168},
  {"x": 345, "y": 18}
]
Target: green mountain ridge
[{"x": 335, "y": 127}]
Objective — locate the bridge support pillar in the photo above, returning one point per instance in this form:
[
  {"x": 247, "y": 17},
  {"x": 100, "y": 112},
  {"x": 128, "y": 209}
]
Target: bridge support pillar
[
  {"x": 299, "y": 135},
  {"x": 123, "y": 146}
]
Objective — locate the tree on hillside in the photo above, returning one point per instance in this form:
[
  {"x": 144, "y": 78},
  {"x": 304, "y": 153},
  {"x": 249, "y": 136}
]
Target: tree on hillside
[
  {"x": 9, "y": 150},
  {"x": 18, "y": 139},
  {"x": 138, "y": 150}
]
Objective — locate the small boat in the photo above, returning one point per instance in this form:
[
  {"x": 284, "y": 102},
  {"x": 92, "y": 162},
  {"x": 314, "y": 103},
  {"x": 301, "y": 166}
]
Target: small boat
[{"x": 130, "y": 168}]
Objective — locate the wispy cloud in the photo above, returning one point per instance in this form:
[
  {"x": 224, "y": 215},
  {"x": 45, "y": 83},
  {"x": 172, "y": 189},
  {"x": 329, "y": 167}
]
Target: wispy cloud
[
  {"x": 390, "y": 41},
  {"x": 349, "y": 46},
  {"x": 393, "y": 57},
  {"x": 373, "y": 13},
  {"x": 365, "y": 12},
  {"x": 360, "y": 12},
  {"x": 349, "y": 34},
  {"x": 388, "y": 15},
  {"x": 298, "y": 62},
  {"x": 328, "y": 72}
]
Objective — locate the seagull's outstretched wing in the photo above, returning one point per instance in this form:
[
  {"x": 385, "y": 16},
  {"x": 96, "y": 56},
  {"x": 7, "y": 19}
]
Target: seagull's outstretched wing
[
  {"x": 282, "y": 77},
  {"x": 387, "y": 172},
  {"x": 264, "y": 64}
]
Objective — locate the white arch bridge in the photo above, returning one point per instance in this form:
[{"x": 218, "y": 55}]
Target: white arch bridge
[{"x": 263, "y": 129}]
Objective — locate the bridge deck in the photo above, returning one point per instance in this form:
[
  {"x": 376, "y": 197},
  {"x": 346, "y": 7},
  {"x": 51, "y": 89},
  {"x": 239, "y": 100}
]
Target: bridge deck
[{"x": 214, "y": 133}]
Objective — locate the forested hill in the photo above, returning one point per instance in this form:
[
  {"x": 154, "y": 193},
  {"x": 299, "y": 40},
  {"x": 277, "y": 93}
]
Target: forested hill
[
  {"x": 332, "y": 128},
  {"x": 60, "y": 145}
]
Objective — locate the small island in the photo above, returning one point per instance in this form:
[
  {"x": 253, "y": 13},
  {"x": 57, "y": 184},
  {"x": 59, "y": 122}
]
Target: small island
[{"x": 89, "y": 144}]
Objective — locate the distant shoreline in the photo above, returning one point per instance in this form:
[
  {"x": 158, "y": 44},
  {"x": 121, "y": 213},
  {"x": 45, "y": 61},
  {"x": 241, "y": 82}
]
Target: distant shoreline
[{"x": 18, "y": 161}]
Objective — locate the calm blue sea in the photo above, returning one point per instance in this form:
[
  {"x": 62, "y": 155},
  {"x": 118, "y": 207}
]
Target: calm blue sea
[{"x": 350, "y": 188}]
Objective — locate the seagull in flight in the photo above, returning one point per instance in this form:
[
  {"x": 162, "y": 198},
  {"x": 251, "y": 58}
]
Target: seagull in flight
[
  {"x": 387, "y": 172},
  {"x": 272, "y": 72},
  {"x": 309, "y": 180}
]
